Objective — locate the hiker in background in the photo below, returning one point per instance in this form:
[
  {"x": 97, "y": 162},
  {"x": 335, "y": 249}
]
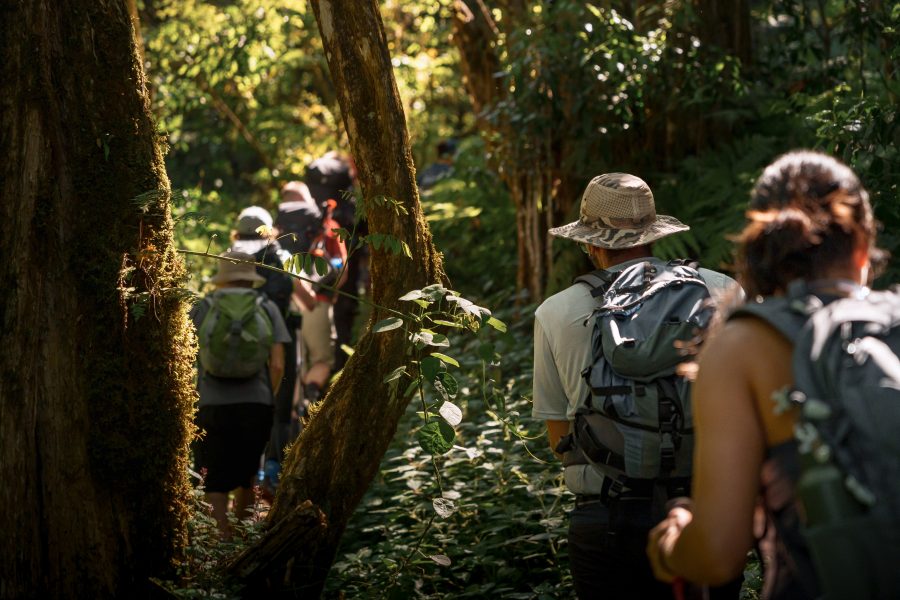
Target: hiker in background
[
  {"x": 241, "y": 336},
  {"x": 440, "y": 169},
  {"x": 331, "y": 177},
  {"x": 255, "y": 236},
  {"x": 614, "y": 510},
  {"x": 797, "y": 418},
  {"x": 305, "y": 228}
]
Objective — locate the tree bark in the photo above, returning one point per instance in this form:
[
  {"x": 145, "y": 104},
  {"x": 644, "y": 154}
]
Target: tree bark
[
  {"x": 727, "y": 26},
  {"x": 542, "y": 188},
  {"x": 94, "y": 403},
  {"x": 340, "y": 449}
]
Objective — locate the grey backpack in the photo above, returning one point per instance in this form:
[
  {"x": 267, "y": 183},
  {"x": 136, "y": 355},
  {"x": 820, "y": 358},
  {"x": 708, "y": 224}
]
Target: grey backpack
[
  {"x": 847, "y": 383},
  {"x": 636, "y": 422}
]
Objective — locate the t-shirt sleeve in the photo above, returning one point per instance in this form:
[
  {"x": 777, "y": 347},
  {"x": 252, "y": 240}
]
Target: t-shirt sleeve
[
  {"x": 279, "y": 329},
  {"x": 550, "y": 402}
]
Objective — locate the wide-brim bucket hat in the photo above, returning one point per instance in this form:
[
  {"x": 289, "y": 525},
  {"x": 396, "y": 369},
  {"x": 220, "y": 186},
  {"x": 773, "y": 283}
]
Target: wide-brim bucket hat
[
  {"x": 617, "y": 212},
  {"x": 229, "y": 271}
]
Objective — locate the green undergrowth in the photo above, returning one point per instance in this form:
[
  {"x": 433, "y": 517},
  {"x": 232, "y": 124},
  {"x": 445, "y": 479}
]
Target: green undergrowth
[{"x": 507, "y": 537}]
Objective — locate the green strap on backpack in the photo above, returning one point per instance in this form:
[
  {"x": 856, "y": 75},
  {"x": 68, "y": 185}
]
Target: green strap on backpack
[{"x": 236, "y": 335}]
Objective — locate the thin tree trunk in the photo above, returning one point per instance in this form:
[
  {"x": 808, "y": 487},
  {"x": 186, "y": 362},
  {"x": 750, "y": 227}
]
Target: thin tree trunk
[
  {"x": 94, "y": 403},
  {"x": 339, "y": 451}
]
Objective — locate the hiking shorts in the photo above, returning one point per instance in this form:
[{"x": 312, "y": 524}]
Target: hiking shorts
[
  {"x": 318, "y": 335},
  {"x": 230, "y": 449}
]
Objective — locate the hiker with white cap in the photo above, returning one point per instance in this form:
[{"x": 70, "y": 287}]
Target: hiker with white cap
[
  {"x": 605, "y": 382},
  {"x": 241, "y": 336}
]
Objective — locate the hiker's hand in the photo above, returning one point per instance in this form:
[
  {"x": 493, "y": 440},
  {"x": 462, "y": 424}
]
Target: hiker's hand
[{"x": 662, "y": 540}]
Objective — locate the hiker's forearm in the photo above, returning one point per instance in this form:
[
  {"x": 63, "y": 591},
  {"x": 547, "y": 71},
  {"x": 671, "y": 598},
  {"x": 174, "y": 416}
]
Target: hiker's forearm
[{"x": 276, "y": 367}]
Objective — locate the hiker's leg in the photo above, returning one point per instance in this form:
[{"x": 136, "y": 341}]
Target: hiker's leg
[
  {"x": 588, "y": 526},
  {"x": 318, "y": 337},
  {"x": 606, "y": 554},
  {"x": 219, "y": 503},
  {"x": 243, "y": 503}
]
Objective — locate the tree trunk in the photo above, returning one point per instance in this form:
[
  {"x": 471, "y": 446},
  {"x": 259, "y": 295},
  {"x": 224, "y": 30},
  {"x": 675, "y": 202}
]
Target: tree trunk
[
  {"x": 727, "y": 26},
  {"x": 94, "y": 403},
  {"x": 340, "y": 449}
]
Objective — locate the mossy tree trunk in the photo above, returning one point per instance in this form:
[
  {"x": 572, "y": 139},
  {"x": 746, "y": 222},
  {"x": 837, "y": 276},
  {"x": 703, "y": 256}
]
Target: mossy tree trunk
[
  {"x": 338, "y": 454},
  {"x": 94, "y": 403}
]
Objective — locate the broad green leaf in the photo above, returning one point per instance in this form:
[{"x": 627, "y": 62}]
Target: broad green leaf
[
  {"x": 321, "y": 266},
  {"x": 431, "y": 366},
  {"x": 436, "y": 437},
  {"x": 447, "y": 359},
  {"x": 421, "y": 338},
  {"x": 412, "y": 295},
  {"x": 412, "y": 387},
  {"x": 447, "y": 323},
  {"x": 441, "y": 559},
  {"x": 451, "y": 413},
  {"x": 469, "y": 307},
  {"x": 388, "y": 324},
  {"x": 440, "y": 341},
  {"x": 444, "y": 507},
  {"x": 449, "y": 383},
  {"x": 497, "y": 324},
  {"x": 395, "y": 374}
]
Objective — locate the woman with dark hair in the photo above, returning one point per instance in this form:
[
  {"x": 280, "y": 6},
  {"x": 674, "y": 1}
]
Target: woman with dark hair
[{"x": 809, "y": 220}]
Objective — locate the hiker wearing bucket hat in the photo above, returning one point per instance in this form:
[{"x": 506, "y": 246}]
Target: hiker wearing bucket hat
[
  {"x": 241, "y": 337},
  {"x": 617, "y": 227}
]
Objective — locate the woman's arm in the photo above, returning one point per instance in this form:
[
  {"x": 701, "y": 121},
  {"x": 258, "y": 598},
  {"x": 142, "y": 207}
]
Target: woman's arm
[{"x": 740, "y": 366}]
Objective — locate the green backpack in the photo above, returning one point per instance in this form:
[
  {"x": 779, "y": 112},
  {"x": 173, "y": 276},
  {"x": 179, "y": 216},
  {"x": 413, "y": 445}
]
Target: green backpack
[{"x": 236, "y": 334}]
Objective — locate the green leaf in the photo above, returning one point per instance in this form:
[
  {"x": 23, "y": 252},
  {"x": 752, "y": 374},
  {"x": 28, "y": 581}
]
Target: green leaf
[
  {"x": 497, "y": 324},
  {"x": 447, "y": 323},
  {"x": 412, "y": 387},
  {"x": 440, "y": 341},
  {"x": 395, "y": 374},
  {"x": 451, "y": 413},
  {"x": 444, "y": 507},
  {"x": 412, "y": 295},
  {"x": 449, "y": 384},
  {"x": 431, "y": 366},
  {"x": 321, "y": 266},
  {"x": 441, "y": 559},
  {"x": 447, "y": 359},
  {"x": 436, "y": 437},
  {"x": 388, "y": 324}
]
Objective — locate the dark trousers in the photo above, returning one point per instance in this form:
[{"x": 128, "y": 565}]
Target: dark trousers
[{"x": 607, "y": 554}]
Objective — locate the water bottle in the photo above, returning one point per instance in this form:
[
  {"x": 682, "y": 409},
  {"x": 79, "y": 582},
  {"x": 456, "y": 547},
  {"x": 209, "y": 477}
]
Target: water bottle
[{"x": 824, "y": 496}]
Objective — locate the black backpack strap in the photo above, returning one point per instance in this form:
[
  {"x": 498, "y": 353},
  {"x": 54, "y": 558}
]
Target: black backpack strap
[
  {"x": 598, "y": 281},
  {"x": 684, "y": 262},
  {"x": 785, "y": 314}
]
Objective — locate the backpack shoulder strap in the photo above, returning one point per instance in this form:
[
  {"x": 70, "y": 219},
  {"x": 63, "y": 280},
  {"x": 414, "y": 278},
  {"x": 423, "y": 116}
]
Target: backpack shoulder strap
[
  {"x": 786, "y": 315},
  {"x": 598, "y": 281}
]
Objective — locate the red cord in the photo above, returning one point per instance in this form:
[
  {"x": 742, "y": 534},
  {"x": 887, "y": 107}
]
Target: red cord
[{"x": 678, "y": 588}]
